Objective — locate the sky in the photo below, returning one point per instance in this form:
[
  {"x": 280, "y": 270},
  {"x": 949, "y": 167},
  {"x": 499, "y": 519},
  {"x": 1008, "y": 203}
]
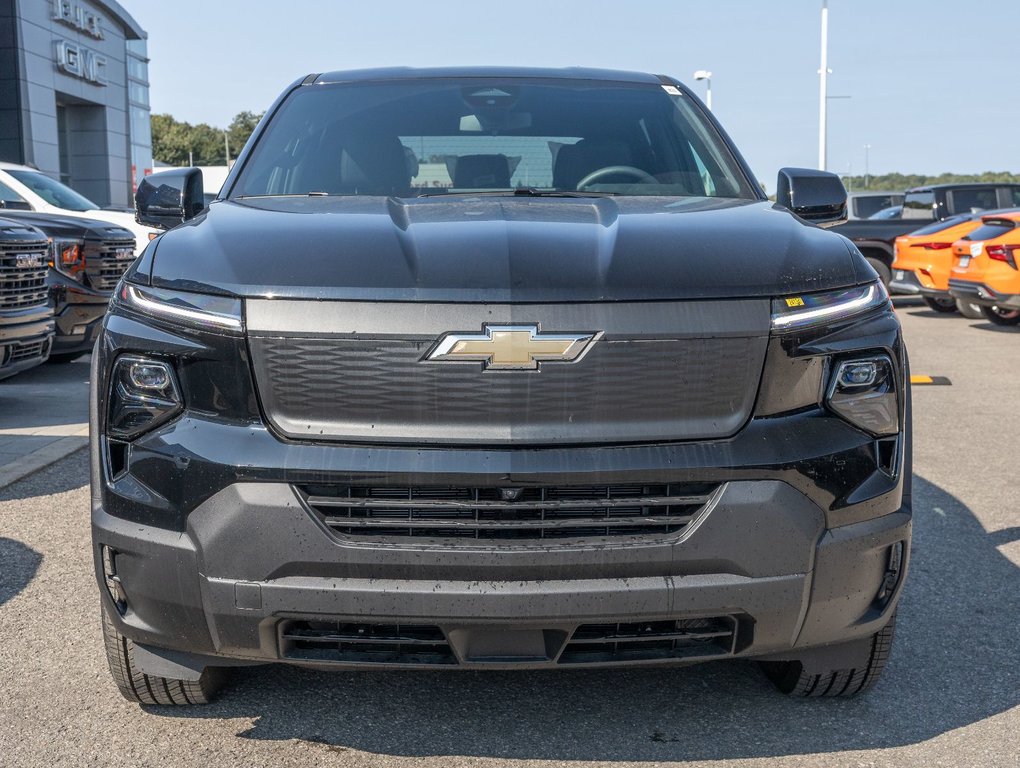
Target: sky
[{"x": 932, "y": 86}]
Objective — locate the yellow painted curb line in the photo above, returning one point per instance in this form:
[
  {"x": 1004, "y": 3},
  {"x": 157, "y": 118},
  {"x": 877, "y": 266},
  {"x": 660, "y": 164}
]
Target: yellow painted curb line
[{"x": 932, "y": 380}]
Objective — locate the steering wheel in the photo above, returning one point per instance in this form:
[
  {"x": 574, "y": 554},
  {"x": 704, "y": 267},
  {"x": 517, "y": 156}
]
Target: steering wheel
[{"x": 610, "y": 170}]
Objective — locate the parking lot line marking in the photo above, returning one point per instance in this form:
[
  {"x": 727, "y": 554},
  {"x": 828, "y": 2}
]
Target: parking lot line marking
[{"x": 931, "y": 380}]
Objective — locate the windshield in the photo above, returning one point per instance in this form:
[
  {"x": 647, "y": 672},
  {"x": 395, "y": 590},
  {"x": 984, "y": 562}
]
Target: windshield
[
  {"x": 438, "y": 137},
  {"x": 53, "y": 192}
]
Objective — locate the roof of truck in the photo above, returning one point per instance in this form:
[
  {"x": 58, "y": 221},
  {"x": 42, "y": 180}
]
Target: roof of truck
[{"x": 412, "y": 73}]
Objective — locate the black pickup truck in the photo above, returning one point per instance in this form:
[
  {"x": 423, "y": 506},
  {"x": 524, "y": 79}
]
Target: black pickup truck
[
  {"x": 87, "y": 258},
  {"x": 26, "y": 315},
  {"x": 497, "y": 369},
  {"x": 922, "y": 205}
]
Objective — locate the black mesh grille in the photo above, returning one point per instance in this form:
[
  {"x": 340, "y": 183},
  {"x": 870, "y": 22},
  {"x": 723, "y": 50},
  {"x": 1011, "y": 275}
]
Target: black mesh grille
[
  {"x": 649, "y": 641},
  {"x": 23, "y": 269},
  {"x": 107, "y": 261},
  {"x": 408, "y": 644},
  {"x": 525, "y": 514}
]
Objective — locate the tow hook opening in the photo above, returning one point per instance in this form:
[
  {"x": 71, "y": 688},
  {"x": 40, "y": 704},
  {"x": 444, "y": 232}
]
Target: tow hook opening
[
  {"x": 113, "y": 582},
  {"x": 893, "y": 572}
]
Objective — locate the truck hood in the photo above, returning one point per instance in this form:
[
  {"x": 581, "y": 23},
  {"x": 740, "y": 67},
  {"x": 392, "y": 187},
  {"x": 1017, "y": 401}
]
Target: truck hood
[{"x": 500, "y": 249}]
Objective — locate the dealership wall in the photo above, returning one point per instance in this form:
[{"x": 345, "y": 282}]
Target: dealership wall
[{"x": 74, "y": 98}]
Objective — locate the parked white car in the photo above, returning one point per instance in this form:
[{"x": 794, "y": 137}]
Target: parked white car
[{"x": 28, "y": 189}]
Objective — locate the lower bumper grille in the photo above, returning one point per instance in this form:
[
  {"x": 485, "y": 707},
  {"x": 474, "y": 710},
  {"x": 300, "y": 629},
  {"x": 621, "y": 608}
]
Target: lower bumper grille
[
  {"x": 27, "y": 351},
  {"x": 526, "y": 514},
  {"x": 364, "y": 643},
  {"x": 427, "y": 645},
  {"x": 650, "y": 641}
]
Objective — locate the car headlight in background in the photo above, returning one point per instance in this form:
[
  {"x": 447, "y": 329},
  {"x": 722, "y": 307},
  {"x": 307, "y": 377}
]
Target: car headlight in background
[
  {"x": 863, "y": 391},
  {"x": 197, "y": 310},
  {"x": 814, "y": 309},
  {"x": 143, "y": 395},
  {"x": 68, "y": 258}
]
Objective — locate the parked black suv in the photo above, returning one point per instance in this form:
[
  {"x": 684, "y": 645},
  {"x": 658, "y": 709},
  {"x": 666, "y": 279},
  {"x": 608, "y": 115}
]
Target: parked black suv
[
  {"x": 497, "y": 369},
  {"x": 87, "y": 259},
  {"x": 26, "y": 315}
]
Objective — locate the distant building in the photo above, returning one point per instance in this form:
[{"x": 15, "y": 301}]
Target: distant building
[{"x": 74, "y": 94}]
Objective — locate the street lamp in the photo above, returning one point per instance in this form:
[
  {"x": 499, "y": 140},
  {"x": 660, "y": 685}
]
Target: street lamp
[{"x": 704, "y": 74}]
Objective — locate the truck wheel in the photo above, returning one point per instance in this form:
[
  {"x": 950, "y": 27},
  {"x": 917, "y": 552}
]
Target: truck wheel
[
  {"x": 1001, "y": 316},
  {"x": 941, "y": 303},
  {"x": 969, "y": 309},
  {"x": 135, "y": 685},
  {"x": 884, "y": 272},
  {"x": 844, "y": 670}
]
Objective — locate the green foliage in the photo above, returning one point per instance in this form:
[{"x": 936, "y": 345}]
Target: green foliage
[
  {"x": 172, "y": 141},
  {"x": 901, "y": 181}
]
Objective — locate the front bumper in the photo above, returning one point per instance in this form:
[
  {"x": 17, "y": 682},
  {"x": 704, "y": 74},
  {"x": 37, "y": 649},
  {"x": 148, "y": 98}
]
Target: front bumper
[
  {"x": 79, "y": 314},
  {"x": 906, "y": 281},
  {"x": 25, "y": 339},
  {"x": 253, "y": 561},
  {"x": 982, "y": 294}
]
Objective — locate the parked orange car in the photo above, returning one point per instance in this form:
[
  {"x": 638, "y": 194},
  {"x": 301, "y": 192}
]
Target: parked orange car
[
  {"x": 923, "y": 260},
  {"x": 986, "y": 268}
]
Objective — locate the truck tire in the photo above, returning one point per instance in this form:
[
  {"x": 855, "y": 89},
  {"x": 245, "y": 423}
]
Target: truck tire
[
  {"x": 941, "y": 303},
  {"x": 1001, "y": 316},
  {"x": 969, "y": 309},
  {"x": 845, "y": 670},
  {"x": 883, "y": 269},
  {"x": 136, "y": 686}
]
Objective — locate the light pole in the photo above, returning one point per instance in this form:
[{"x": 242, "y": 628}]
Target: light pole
[
  {"x": 704, "y": 74},
  {"x": 823, "y": 102},
  {"x": 867, "y": 180}
]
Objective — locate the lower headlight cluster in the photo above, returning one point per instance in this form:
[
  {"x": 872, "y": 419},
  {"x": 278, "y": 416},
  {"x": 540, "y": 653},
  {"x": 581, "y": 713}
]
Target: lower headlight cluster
[
  {"x": 863, "y": 391},
  {"x": 143, "y": 395}
]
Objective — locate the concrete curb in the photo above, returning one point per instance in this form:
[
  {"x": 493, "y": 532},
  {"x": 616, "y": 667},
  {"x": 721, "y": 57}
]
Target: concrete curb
[{"x": 41, "y": 458}]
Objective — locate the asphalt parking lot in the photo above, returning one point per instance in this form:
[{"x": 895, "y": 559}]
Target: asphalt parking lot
[{"x": 950, "y": 695}]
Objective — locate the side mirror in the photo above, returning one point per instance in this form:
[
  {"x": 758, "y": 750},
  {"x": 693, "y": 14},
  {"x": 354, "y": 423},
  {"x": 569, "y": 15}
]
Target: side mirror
[
  {"x": 815, "y": 196},
  {"x": 169, "y": 198}
]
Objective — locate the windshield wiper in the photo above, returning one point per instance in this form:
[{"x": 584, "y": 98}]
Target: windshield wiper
[{"x": 521, "y": 192}]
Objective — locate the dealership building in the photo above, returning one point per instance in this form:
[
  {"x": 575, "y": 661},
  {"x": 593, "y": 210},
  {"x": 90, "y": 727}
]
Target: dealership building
[{"x": 74, "y": 94}]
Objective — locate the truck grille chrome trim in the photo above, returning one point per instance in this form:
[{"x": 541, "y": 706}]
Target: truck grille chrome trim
[
  {"x": 23, "y": 280},
  {"x": 550, "y": 512}
]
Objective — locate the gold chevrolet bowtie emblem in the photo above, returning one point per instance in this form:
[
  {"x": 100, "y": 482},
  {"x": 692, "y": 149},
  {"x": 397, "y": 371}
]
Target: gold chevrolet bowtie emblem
[{"x": 511, "y": 347}]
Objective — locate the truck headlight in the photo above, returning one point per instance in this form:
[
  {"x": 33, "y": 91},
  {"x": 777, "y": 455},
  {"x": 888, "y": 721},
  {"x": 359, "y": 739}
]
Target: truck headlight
[
  {"x": 143, "y": 395},
  {"x": 813, "y": 309},
  {"x": 68, "y": 258},
  {"x": 198, "y": 310},
  {"x": 863, "y": 391}
]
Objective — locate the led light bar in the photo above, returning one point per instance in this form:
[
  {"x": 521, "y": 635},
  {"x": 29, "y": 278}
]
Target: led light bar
[
  {"x": 820, "y": 308},
  {"x": 195, "y": 309}
]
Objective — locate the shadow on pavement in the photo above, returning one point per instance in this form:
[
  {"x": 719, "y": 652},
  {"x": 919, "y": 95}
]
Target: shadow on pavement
[
  {"x": 65, "y": 475},
  {"x": 955, "y": 662},
  {"x": 18, "y": 564}
]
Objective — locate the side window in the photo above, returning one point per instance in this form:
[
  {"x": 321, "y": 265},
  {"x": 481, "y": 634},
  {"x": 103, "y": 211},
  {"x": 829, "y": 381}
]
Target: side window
[
  {"x": 1016, "y": 196},
  {"x": 12, "y": 200},
  {"x": 974, "y": 200}
]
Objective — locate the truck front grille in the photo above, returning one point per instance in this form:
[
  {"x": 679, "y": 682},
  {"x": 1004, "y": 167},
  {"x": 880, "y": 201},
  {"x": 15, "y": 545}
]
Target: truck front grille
[
  {"x": 27, "y": 351},
  {"x": 23, "y": 269},
  {"x": 522, "y": 514},
  {"x": 107, "y": 261}
]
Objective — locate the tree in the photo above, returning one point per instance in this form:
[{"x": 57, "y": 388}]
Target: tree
[{"x": 178, "y": 143}]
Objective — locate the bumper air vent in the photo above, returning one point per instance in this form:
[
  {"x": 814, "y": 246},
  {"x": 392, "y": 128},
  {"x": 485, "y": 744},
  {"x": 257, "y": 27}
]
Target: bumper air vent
[
  {"x": 650, "y": 641},
  {"x": 332, "y": 641}
]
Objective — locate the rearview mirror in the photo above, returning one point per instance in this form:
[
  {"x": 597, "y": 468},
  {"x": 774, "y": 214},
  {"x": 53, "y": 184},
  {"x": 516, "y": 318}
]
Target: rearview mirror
[
  {"x": 815, "y": 196},
  {"x": 169, "y": 198}
]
